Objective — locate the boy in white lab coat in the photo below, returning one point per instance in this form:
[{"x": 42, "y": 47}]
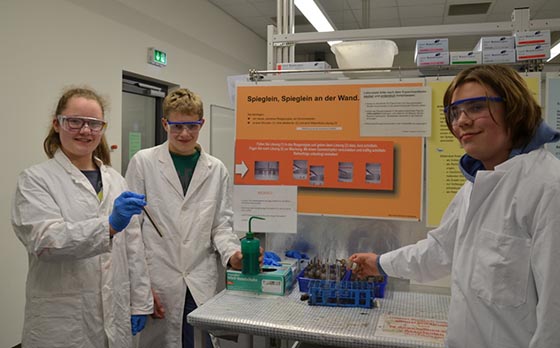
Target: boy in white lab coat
[
  {"x": 499, "y": 237},
  {"x": 189, "y": 193}
]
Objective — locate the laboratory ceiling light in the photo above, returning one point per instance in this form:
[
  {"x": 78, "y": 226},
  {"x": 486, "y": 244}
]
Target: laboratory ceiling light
[
  {"x": 315, "y": 16},
  {"x": 554, "y": 51}
]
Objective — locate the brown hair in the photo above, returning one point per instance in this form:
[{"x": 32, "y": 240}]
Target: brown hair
[
  {"x": 184, "y": 101},
  {"x": 52, "y": 142},
  {"x": 522, "y": 112}
]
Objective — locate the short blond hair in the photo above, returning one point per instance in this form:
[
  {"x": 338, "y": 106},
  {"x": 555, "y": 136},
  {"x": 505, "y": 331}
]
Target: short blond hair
[{"x": 183, "y": 101}]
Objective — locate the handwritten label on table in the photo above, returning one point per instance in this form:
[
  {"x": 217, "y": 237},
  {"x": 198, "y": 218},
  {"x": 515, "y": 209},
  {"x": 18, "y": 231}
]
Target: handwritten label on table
[{"x": 410, "y": 328}]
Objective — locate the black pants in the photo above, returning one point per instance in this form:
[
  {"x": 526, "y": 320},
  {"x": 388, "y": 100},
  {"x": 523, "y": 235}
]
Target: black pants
[{"x": 188, "y": 331}]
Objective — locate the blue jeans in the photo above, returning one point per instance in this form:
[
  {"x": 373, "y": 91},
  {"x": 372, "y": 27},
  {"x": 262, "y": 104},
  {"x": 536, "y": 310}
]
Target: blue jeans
[{"x": 188, "y": 331}]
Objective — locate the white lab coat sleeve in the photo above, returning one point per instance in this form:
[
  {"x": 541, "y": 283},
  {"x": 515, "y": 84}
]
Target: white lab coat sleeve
[
  {"x": 140, "y": 286},
  {"x": 141, "y": 300},
  {"x": 431, "y": 258},
  {"x": 38, "y": 223},
  {"x": 136, "y": 183},
  {"x": 134, "y": 176},
  {"x": 544, "y": 257},
  {"x": 223, "y": 237}
]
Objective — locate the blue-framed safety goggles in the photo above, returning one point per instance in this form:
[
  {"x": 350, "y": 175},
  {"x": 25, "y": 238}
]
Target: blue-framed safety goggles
[
  {"x": 474, "y": 108},
  {"x": 475, "y": 99},
  {"x": 191, "y": 126}
]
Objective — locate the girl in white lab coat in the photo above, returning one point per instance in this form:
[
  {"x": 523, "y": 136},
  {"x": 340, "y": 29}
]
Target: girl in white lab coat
[
  {"x": 499, "y": 238},
  {"x": 87, "y": 284}
]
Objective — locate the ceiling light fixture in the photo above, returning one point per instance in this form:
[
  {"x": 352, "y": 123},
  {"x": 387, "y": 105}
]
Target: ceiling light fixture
[
  {"x": 315, "y": 16},
  {"x": 554, "y": 51}
]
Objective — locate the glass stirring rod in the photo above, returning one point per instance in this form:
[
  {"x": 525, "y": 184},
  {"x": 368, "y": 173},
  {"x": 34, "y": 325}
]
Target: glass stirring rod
[{"x": 149, "y": 215}]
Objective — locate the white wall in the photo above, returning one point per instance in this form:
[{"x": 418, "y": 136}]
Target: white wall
[{"x": 49, "y": 44}]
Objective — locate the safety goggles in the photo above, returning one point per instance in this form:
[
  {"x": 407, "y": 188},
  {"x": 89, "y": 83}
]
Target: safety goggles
[
  {"x": 473, "y": 108},
  {"x": 76, "y": 123},
  {"x": 191, "y": 126}
]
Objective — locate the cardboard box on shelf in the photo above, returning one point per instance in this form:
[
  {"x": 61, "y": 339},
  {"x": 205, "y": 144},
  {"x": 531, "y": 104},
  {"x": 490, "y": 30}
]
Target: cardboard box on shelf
[
  {"x": 303, "y": 66},
  {"x": 531, "y": 52},
  {"x": 498, "y": 56},
  {"x": 430, "y": 46},
  {"x": 431, "y": 59},
  {"x": 465, "y": 57},
  {"x": 495, "y": 43},
  {"x": 537, "y": 37}
]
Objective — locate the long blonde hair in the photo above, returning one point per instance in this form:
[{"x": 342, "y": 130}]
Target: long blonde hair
[{"x": 52, "y": 142}]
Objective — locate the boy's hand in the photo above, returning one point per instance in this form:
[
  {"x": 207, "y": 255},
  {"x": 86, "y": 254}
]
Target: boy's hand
[{"x": 366, "y": 264}]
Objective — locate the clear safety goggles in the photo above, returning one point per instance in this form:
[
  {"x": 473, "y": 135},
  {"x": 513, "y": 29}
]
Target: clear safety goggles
[
  {"x": 473, "y": 108},
  {"x": 192, "y": 127},
  {"x": 76, "y": 123}
]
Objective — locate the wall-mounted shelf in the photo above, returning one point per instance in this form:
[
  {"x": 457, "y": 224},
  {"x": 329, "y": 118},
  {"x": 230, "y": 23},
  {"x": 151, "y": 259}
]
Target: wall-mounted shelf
[
  {"x": 388, "y": 72},
  {"x": 278, "y": 43}
]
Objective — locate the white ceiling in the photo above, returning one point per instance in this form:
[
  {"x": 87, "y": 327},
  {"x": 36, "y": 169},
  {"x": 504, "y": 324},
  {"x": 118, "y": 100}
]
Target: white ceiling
[{"x": 347, "y": 15}]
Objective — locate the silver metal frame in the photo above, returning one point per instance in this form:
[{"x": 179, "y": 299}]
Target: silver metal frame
[{"x": 280, "y": 40}]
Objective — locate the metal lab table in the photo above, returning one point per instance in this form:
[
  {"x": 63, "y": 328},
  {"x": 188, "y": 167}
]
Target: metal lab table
[{"x": 286, "y": 317}]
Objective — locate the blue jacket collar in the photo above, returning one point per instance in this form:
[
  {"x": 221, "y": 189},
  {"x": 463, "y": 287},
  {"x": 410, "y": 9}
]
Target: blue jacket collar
[{"x": 544, "y": 134}]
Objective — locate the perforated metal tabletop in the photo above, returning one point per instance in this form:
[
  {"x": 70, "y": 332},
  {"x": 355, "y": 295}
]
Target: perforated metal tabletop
[{"x": 287, "y": 317}]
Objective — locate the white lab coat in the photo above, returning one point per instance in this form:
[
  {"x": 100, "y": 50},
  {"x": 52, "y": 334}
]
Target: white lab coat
[
  {"x": 500, "y": 239},
  {"x": 197, "y": 234},
  {"x": 81, "y": 286}
]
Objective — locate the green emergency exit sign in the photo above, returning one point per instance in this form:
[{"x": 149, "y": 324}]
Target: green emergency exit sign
[{"x": 157, "y": 57}]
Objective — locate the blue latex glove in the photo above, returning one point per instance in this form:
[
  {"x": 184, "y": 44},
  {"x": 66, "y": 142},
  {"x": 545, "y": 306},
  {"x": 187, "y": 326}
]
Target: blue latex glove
[
  {"x": 271, "y": 259},
  {"x": 272, "y": 255},
  {"x": 137, "y": 322},
  {"x": 294, "y": 254},
  {"x": 271, "y": 262},
  {"x": 126, "y": 205}
]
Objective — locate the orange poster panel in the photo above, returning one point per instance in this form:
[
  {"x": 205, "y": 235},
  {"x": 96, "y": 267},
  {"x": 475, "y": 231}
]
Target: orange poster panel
[
  {"x": 301, "y": 112},
  {"x": 309, "y": 135},
  {"x": 319, "y": 164}
]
